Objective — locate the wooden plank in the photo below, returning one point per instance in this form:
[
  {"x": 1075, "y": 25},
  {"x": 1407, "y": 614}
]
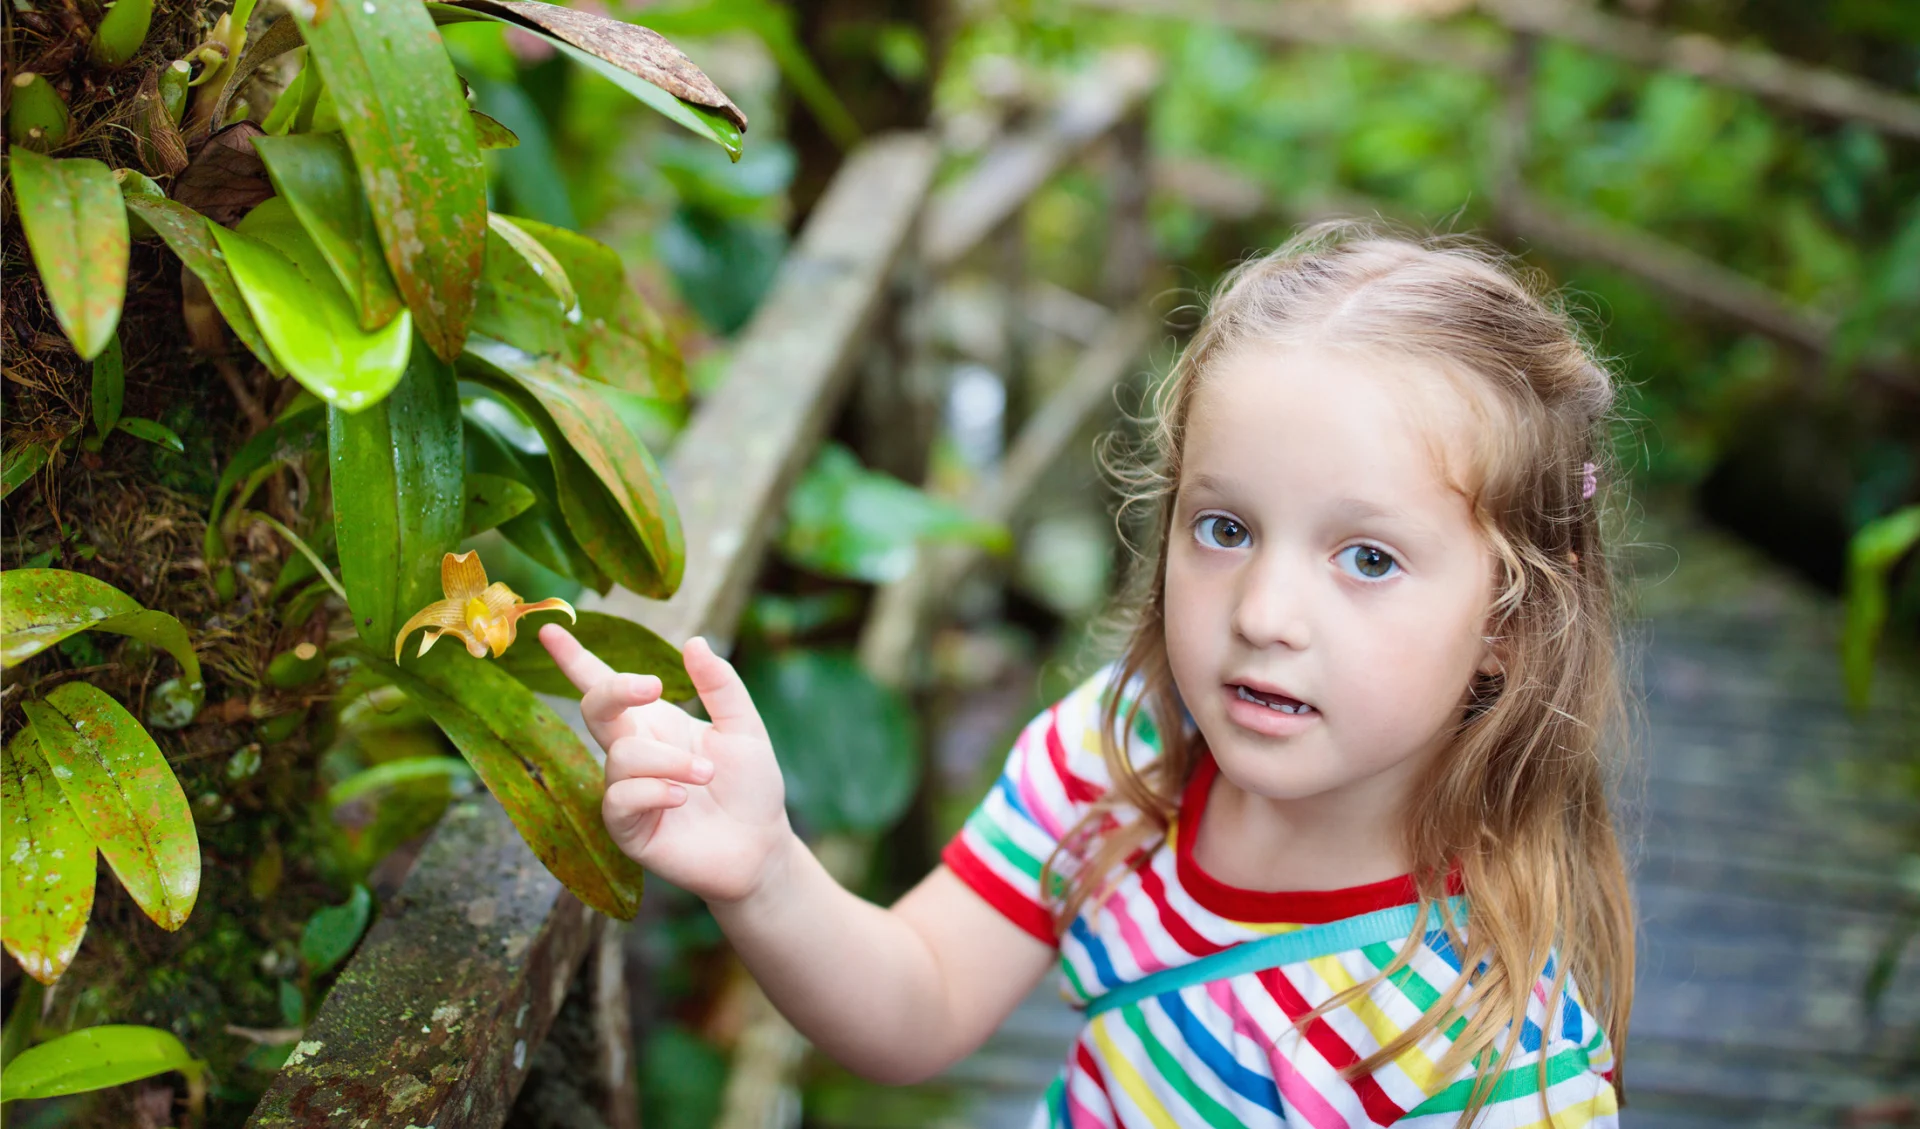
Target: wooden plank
[
  {"x": 753, "y": 435},
  {"x": 965, "y": 213},
  {"x": 435, "y": 1019}
]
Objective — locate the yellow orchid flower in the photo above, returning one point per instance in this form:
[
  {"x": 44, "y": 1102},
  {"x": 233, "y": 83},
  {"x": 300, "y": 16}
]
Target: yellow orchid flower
[{"x": 482, "y": 615}]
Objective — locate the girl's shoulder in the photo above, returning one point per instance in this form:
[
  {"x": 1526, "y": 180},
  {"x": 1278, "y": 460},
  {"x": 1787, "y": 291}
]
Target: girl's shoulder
[{"x": 1069, "y": 731}]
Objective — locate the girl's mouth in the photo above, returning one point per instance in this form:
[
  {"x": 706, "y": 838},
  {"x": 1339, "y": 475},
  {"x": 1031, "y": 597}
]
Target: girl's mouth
[{"x": 1279, "y": 703}]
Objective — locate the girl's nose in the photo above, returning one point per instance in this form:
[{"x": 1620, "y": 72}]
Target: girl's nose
[{"x": 1271, "y": 607}]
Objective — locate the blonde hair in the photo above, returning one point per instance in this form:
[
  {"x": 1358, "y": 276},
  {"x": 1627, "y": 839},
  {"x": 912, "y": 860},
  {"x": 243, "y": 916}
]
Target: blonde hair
[{"x": 1517, "y": 803}]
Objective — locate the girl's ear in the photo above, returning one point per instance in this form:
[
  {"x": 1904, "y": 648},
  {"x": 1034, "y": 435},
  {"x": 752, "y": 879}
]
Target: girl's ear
[{"x": 1490, "y": 663}]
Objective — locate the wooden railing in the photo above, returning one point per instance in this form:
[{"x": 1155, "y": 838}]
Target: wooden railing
[{"x": 440, "y": 1015}]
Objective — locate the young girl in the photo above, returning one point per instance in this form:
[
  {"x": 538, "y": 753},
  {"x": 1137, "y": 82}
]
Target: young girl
[{"x": 1328, "y": 845}]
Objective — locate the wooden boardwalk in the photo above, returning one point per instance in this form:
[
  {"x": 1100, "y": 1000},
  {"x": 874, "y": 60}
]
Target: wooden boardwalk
[{"x": 1767, "y": 826}]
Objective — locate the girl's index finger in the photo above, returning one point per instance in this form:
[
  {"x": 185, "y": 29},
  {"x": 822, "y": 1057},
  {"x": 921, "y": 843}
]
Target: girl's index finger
[{"x": 582, "y": 667}]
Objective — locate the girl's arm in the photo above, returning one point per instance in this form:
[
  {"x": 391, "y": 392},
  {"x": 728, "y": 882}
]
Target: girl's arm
[{"x": 896, "y": 995}]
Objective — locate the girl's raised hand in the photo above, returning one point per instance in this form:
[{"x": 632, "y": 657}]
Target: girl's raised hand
[{"x": 699, "y": 803}]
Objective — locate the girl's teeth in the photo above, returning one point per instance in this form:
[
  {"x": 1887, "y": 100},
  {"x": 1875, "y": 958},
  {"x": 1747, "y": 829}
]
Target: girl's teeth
[{"x": 1247, "y": 695}]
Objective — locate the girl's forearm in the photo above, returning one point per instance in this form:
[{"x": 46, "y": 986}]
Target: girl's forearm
[{"x": 857, "y": 980}]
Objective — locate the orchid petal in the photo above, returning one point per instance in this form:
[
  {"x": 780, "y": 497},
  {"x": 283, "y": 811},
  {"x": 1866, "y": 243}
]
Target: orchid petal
[
  {"x": 462, "y": 576},
  {"x": 444, "y": 614}
]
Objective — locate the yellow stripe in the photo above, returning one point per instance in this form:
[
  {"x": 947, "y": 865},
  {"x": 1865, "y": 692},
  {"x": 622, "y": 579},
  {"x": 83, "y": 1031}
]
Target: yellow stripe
[
  {"x": 1578, "y": 1116},
  {"x": 1129, "y": 1078},
  {"x": 1419, "y": 1069}
]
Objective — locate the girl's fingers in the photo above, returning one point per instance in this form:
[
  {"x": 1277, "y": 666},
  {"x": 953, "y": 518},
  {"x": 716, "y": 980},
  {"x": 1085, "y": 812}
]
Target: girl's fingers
[
  {"x": 721, "y": 691},
  {"x": 629, "y": 804},
  {"x": 635, "y": 755},
  {"x": 582, "y": 667},
  {"x": 607, "y": 699}
]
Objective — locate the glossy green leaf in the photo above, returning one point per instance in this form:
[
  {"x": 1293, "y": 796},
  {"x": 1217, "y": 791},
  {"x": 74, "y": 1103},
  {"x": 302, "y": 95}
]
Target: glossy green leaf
[
  {"x": 535, "y": 766},
  {"x": 846, "y": 744},
  {"x": 521, "y": 302},
  {"x": 332, "y": 932},
  {"x": 397, "y": 495},
  {"x": 41, "y": 606},
  {"x": 492, "y": 499},
  {"x": 389, "y": 774},
  {"x": 1872, "y": 554},
  {"x": 844, "y": 520},
  {"x": 153, "y": 432},
  {"x": 314, "y": 172},
  {"x": 109, "y": 391},
  {"x": 20, "y": 463},
  {"x": 46, "y": 863},
  {"x": 610, "y": 489},
  {"x": 94, "y": 1058},
  {"x": 76, "y": 227},
  {"x": 189, "y": 235},
  {"x": 492, "y": 134},
  {"x": 621, "y": 643},
  {"x": 171, "y": 706},
  {"x": 417, "y": 152},
  {"x": 304, "y": 314},
  {"x": 126, "y": 796},
  {"x": 635, "y": 48},
  {"x": 500, "y": 443},
  {"x": 618, "y": 339}
]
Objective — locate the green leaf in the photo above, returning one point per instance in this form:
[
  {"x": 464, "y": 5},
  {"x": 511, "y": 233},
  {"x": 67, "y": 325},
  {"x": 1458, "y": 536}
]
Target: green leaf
[
  {"x": 492, "y": 134},
  {"x": 500, "y": 443},
  {"x": 41, "y": 606},
  {"x": 389, "y": 774},
  {"x": 492, "y": 499},
  {"x": 316, "y": 175},
  {"x": 94, "y": 1058},
  {"x": 844, "y": 520},
  {"x": 290, "y": 435},
  {"x": 1875, "y": 549},
  {"x": 20, "y": 463},
  {"x": 535, "y": 766},
  {"x": 125, "y": 795},
  {"x": 305, "y": 316},
  {"x": 522, "y": 302},
  {"x": 188, "y": 234},
  {"x": 169, "y": 710},
  {"x": 610, "y": 489},
  {"x": 636, "y": 59},
  {"x": 293, "y": 1004},
  {"x": 621, "y": 643},
  {"x": 618, "y": 339},
  {"x": 153, "y": 432},
  {"x": 397, "y": 495},
  {"x": 46, "y": 863},
  {"x": 76, "y": 227},
  {"x": 846, "y": 744},
  {"x": 331, "y": 933},
  {"x": 109, "y": 387},
  {"x": 417, "y": 152}
]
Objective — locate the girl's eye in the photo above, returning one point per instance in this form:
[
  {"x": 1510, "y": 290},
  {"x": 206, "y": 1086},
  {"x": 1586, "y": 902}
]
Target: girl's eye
[
  {"x": 1369, "y": 562},
  {"x": 1229, "y": 534}
]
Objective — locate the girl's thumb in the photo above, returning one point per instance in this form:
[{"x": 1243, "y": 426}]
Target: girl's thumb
[{"x": 729, "y": 706}]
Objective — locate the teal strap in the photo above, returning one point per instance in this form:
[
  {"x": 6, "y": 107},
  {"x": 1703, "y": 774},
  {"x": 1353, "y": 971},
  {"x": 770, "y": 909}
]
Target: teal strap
[{"x": 1279, "y": 949}]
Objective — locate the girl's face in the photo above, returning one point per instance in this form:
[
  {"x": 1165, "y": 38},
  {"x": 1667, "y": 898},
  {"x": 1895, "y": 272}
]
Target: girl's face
[{"x": 1326, "y": 590}]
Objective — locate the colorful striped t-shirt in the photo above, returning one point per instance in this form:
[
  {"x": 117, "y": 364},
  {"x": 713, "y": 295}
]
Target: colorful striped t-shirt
[{"x": 1224, "y": 1054}]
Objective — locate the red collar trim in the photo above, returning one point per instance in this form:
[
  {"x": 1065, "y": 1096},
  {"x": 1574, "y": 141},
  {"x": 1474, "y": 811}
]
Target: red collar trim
[{"x": 1296, "y": 907}]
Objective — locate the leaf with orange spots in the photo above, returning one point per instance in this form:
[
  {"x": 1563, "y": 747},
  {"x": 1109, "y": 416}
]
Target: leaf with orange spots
[{"x": 46, "y": 863}]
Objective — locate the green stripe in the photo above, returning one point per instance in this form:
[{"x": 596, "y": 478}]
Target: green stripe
[
  {"x": 1516, "y": 1082},
  {"x": 997, "y": 838},
  {"x": 1066, "y": 966},
  {"x": 1169, "y": 1067},
  {"x": 1416, "y": 987}
]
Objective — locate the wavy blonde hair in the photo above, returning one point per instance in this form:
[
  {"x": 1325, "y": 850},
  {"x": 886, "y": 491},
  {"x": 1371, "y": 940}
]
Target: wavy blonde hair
[{"x": 1518, "y": 801}]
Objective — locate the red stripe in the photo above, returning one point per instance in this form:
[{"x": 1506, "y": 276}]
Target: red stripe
[
  {"x": 1331, "y": 1047},
  {"x": 1079, "y": 791},
  {"x": 1012, "y": 904},
  {"x": 1176, "y": 926},
  {"x": 1089, "y": 1065}
]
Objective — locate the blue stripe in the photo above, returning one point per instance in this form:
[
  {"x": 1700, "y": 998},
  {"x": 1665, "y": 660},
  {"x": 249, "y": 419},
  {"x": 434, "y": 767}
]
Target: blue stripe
[
  {"x": 1012, "y": 796},
  {"x": 1443, "y": 948},
  {"x": 1096, "y": 952},
  {"x": 1570, "y": 1019},
  {"x": 1530, "y": 1037},
  {"x": 1249, "y": 1084}
]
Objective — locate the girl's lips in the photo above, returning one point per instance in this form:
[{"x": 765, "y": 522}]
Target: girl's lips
[{"x": 1266, "y": 720}]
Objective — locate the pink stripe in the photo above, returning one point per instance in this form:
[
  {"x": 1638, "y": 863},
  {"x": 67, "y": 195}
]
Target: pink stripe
[
  {"x": 1297, "y": 1090},
  {"x": 1030, "y": 795},
  {"x": 1143, "y": 954},
  {"x": 1079, "y": 1116}
]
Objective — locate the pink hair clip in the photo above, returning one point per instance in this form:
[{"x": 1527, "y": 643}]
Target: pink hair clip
[{"x": 1589, "y": 480}]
